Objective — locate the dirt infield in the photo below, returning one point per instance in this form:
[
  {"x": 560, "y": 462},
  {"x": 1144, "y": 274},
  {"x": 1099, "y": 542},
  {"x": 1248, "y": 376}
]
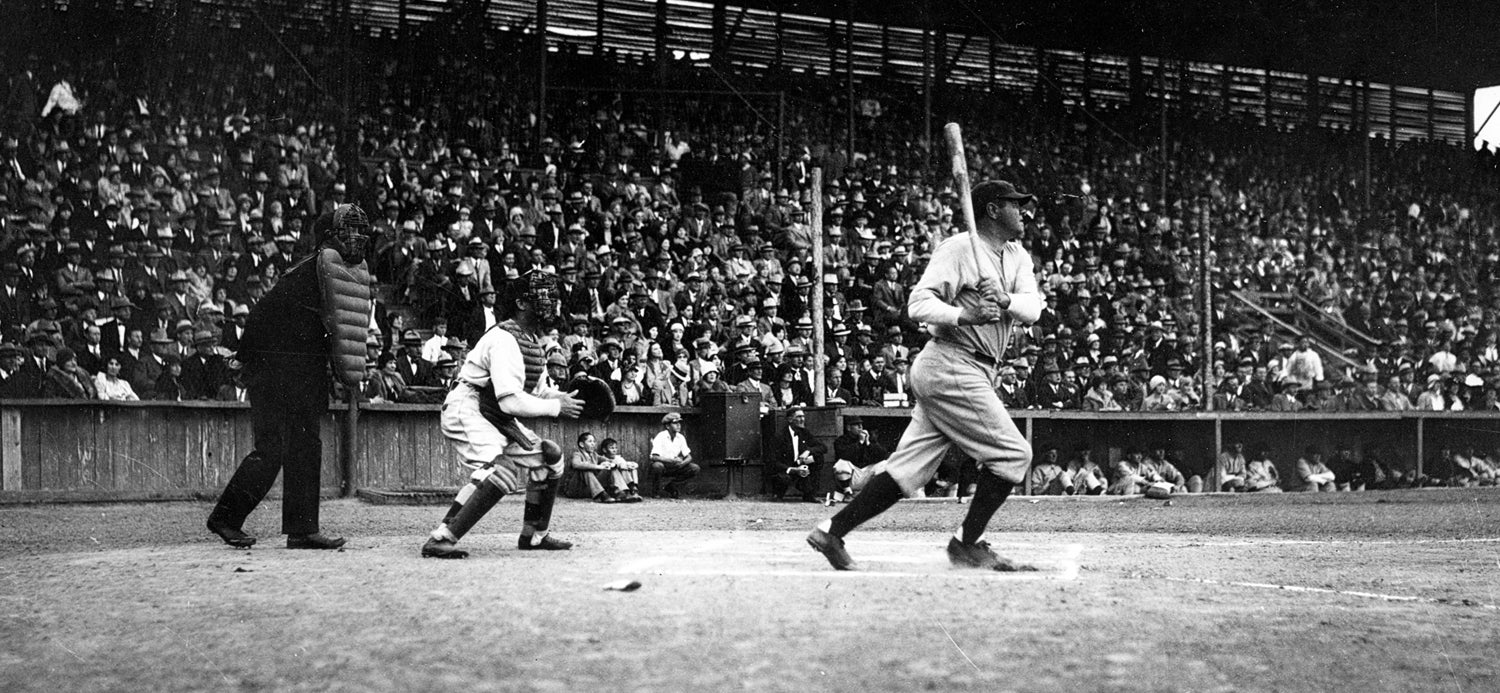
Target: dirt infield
[{"x": 1373, "y": 592}]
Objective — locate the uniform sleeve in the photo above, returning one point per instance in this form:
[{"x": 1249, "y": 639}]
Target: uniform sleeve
[
  {"x": 508, "y": 378},
  {"x": 1025, "y": 301},
  {"x": 931, "y": 300}
]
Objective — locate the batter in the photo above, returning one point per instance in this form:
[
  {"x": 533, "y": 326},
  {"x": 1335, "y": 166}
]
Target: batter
[{"x": 971, "y": 305}]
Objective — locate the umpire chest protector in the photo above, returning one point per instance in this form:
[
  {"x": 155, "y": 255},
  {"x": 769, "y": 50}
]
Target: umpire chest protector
[
  {"x": 533, "y": 352},
  {"x": 345, "y": 293}
]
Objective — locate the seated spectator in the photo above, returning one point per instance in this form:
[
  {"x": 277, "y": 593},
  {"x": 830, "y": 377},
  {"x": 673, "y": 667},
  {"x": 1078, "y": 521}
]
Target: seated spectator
[
  {"x": 795, "y": 459},
  {"x": 1261, "y": 475},
  {"x": 595, "y": 473},
  {"x": 1160, "y": 397},
  {"x": 626, "y": 474},
  {"x": 67, "y": 380},
  {"x": 386, "y": 384},
  {"x": 169, "y": 387},
  {"x": 856, "y": 454},
  {"x": 632, "y": 389},
  {"x": 671, "y": 458},
  {"x": 1286, "y": 400},
  {"x": 1087, "y": 476},
  {"x": 1048, "y": 478},
  {"x": 110, "y": 385},
  {"x": 1312, "y": 474},
  {"x": 710, "y": 383}
]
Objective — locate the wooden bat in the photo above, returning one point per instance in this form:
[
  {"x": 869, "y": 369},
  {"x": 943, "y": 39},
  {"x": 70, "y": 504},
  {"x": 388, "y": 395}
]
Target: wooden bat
[
  {"x": 955, "y": 137},
  {"x": 960, "y": 162}
]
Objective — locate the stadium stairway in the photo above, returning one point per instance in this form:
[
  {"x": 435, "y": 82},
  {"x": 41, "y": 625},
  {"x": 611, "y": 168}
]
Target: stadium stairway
[{"x": 1290, "y": 316}]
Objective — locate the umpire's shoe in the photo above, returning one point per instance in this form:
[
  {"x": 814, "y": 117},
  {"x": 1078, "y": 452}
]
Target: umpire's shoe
[
  {"x": 442, "y": 548},
  {"x": 980, "y": 555},
  {"x": 313, "y": 541},
  {"x": 832, "y": 549},
  {"x": 232, "y": 536}
]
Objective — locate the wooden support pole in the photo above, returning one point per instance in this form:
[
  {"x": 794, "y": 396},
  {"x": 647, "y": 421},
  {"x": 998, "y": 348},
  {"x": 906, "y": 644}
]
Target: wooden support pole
[{"x": 820, "y": 388}]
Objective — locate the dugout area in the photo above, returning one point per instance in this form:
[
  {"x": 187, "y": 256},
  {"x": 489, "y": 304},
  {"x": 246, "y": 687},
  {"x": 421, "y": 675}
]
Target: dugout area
[{"x": 1377, "y": 591}]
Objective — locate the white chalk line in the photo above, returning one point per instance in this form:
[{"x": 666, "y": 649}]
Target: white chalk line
[
  {"x": 1327, "y": 542},
  {"x": 1328, "y": 590}
]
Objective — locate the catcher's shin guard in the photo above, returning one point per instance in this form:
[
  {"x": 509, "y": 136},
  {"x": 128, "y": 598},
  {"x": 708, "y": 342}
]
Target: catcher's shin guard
[
  {"x": 542, "y": 493},
  {"x": 484, "y": 497},
  {"x": 540, "y": 497}
]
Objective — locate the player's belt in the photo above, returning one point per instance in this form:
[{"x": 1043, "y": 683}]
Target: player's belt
[{"x": 984, "y": 358}]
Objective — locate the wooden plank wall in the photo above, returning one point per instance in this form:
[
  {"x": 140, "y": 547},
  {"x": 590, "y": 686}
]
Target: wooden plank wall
[{"x": 99, "y": 451}]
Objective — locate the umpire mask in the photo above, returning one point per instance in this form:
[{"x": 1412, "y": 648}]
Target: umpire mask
[{"x": 348, "y": 232}]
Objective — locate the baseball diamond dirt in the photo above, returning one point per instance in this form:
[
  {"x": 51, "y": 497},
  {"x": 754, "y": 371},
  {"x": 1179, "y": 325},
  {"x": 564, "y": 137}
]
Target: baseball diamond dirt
[{"x": 1381, "y": 591}]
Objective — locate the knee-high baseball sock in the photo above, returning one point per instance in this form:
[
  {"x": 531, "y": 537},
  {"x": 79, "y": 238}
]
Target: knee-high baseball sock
[
  {"x": 538, "y": 515},
  {"x": 484, "y": 497},
  {"x": 879, "y": 495},
  {"x": 462, "y": 497},
  {"x": 988, "y": 498}
]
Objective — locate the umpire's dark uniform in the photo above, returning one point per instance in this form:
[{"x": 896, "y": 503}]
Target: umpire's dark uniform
[{"x": 285, "y": 351}]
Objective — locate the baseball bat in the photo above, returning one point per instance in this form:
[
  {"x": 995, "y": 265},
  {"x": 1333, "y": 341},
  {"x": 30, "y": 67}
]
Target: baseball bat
[{"x": 960, "y": 162}]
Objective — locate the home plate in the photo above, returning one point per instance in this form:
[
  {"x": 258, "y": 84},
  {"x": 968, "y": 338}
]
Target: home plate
[{"x": 881, "y": 555}]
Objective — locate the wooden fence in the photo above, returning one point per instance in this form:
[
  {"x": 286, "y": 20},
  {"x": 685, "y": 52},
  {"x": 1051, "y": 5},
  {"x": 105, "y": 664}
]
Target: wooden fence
[{"x": 78, "y": 451}]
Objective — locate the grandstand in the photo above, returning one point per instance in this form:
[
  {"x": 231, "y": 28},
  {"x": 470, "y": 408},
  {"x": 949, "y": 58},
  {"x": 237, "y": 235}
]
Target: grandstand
[{"x": 1339, "y": 206}]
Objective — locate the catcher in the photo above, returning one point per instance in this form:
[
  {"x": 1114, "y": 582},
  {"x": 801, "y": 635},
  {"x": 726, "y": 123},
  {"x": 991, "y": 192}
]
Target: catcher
[{"x": 504, "y": 379}]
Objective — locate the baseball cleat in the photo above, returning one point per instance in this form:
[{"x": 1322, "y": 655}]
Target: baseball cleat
[
  {"x": 832, "y": 549},
  {"x": 980, "y": 555},
  {"x": 548, "y": 543},
  {"x": 442, "y": 548}
]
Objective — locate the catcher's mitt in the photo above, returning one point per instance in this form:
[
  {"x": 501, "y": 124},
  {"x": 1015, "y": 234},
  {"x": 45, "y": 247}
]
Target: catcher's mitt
[{"x": 598, "y": 398}]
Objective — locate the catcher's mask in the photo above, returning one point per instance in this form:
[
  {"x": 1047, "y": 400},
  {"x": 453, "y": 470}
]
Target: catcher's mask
[
  {"x": 347, "y": 230},
  {"x": 539, "y": 289}
]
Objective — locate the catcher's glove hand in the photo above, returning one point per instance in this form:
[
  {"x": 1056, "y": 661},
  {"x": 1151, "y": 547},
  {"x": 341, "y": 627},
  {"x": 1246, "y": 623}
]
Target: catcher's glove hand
[{"x": 598, "y": 398}]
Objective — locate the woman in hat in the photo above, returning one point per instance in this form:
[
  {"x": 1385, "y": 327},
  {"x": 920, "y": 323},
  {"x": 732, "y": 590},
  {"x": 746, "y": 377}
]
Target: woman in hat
[{"x": 67, "y": 380}]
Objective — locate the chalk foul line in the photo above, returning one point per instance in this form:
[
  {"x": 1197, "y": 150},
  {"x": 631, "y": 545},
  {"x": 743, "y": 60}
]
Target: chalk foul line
[{"x": 1345, "y": 593}]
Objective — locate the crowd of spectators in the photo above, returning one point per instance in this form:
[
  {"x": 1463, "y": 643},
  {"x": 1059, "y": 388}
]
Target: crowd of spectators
[{"x": 138, "y": 234}]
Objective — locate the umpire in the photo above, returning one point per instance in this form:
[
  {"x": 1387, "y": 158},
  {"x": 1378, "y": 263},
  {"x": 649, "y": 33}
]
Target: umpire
[
  {"x": 315, "y": 317},
  {"x": 971, "y": 317}
]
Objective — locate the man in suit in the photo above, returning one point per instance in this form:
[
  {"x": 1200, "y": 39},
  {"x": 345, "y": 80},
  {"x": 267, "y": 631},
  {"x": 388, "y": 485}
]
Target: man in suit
[
  {"x": 29, "y": 377},
  {"x": 90, "y": 352},
  {"x": 795, "y": 460},
  {"x": 205, "y": 371},
  {"x": 413, "y": 368},
  {"x": 15, "y": 301},
  {"x": 184, "y": 305},
  {"x": 114, "y": 331},
  {"x": 149, "y": 368},
  {"x": 10, "y": 366}
]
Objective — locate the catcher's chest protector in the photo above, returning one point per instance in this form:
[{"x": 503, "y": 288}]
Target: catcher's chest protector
[
  {"x": 345, "y": 292},
  {"x": 533, "y": 351}
]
